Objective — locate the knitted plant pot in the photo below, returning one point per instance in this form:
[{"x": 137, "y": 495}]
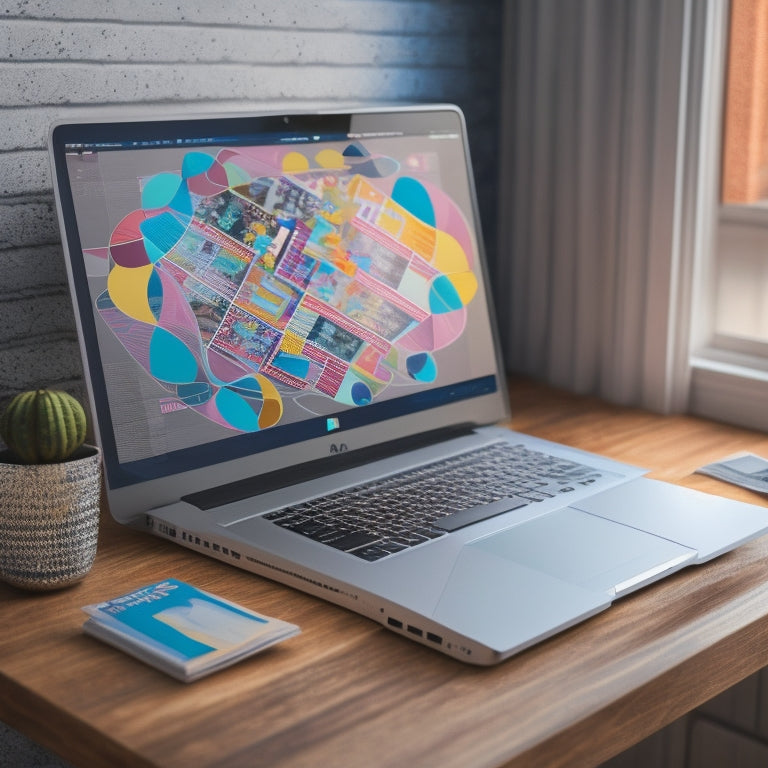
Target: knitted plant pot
[{"x": 49, "y": 520}]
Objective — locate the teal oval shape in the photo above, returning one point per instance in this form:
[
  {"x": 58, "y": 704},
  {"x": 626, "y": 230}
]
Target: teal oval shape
[
  {"x": 195, "y": 163},
  {"x": 421, "y": 367},
  {"x": 236, "y": 411},
  {"x": 170, "y": 360},
  {"x": 443, "y": 296},
  {"x": 160, "y": 190},
  {"x": 412, "y": 195}
]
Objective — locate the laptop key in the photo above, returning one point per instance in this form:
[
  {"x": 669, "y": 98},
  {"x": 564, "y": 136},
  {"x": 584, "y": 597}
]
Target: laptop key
[
  {"x": 310, "y": 528},
  {"x": 371, "y": 553},
  {"x": 352, "y": 540},
  {"x": 464, "y": 517}
]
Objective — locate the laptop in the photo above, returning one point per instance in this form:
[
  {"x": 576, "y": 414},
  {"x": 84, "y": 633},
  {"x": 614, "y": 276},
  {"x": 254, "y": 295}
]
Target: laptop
[{"x": 293, "y": 367}]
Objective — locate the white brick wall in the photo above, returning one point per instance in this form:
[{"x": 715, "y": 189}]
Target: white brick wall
[{"x": 83, "y": 56}]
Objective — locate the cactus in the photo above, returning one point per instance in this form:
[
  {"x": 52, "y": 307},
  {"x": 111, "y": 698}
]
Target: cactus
[{"x": 43, "y": 426}]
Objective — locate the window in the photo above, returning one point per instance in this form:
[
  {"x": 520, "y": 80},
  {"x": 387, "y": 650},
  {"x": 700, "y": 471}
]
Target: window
[
  {"x": 729, "y": 377},
  {"x": 741, "y": 309}
]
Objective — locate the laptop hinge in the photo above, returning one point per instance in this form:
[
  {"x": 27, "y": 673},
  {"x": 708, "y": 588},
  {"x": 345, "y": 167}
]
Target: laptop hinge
[{"x": 282, "y": 478}]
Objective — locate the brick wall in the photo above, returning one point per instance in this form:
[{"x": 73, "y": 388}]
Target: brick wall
[{"x": 81, "y": 57}]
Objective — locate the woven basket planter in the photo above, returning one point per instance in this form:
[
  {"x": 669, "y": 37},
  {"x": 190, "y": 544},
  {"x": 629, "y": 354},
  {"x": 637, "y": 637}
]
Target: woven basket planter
[{"x": 49, "y": 520}]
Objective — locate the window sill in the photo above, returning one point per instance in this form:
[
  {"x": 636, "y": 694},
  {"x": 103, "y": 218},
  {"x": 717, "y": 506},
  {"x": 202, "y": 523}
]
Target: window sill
[{"x": 731, "y": 387}]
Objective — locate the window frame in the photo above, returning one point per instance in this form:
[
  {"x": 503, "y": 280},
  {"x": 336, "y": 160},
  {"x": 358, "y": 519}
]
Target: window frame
[{"x": 726, "y": 372}]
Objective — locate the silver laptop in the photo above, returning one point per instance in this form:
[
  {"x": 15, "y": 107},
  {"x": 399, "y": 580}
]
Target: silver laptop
[{"x": 292, "y": 363}]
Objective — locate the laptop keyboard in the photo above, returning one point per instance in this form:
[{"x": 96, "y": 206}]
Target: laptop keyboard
[{"x": 382, "y": 517}]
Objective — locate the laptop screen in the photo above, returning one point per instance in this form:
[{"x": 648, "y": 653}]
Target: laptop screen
[{"x": 249, "y": 284}]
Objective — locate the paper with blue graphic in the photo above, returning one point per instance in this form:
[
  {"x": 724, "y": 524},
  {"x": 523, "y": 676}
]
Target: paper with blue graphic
[{"x": 183, "y": 630}]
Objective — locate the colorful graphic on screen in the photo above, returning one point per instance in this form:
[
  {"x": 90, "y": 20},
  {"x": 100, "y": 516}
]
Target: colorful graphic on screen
[{"x": 263, "y": 267}]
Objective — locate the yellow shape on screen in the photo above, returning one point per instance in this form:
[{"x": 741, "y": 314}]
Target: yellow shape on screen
[
  {"x": 465, "y": 284},
  {"x": 128, "y": 290},
  {"x": 295, "y": 162},
  {"x": 272, "y": 406},
  {"x": 329, "y": 158},
  {"x": 449, "y": 255}
]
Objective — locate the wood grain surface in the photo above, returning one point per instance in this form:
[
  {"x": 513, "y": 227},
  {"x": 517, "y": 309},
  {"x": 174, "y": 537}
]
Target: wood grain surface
[{"x": 348, "y": 692}]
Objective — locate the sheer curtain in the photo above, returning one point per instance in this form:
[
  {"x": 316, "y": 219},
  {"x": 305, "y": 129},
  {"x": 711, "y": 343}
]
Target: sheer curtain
[{"x": 593, "y": 260}]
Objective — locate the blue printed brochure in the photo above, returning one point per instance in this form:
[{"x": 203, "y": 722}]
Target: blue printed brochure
[{"x": 182, "y": 630}]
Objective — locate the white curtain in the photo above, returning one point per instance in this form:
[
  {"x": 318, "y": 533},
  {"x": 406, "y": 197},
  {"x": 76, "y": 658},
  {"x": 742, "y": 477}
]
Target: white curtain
[{"x": 592, "y": 270}]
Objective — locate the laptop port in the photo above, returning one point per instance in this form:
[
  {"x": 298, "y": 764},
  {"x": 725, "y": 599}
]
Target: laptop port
[
  {"x": 415, "y": 631},
  {"x": 434, "y": 638},
  {"x": 394, "y": 623}
]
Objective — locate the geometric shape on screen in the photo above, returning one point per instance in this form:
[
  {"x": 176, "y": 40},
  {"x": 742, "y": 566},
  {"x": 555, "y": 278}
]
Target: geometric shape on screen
[
  {"x": 128, "y": 290},
  {"x": 443, "y": 296},
  {"x": 159, "y": 190},
  {"x": 414, "y": 198},
  {"x": 169, "y": 358},
  {"x": 195, "y": 163},
  {"x": 194, "y": 393},
  {"x": 361, "y": 393},
  {"x": 295, "y": 365},
  {"x": 236, "y": 410},
  {"x": 421, "y": 367},
  {"x": 161, "y": 233}
]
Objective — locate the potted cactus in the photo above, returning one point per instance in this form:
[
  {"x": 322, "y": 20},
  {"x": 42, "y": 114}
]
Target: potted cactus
[{"x": 50, "y": 488}]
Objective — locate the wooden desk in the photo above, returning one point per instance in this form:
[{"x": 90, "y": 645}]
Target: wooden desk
[{"x": 347, "y": 692}]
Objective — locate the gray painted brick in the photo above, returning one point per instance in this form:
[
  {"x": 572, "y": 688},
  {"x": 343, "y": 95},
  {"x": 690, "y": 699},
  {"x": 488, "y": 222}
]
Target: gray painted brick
[
  {"x": 28, "y": 41},
  {"x": 27, "y": 271},
  {"x": 28, "y": 222},
  {"x": 394, "y": 16},
  {"x": 42, "y": 362},
  {"x": 99, "y": 83},
  {"x": 43, "y": 314},
  {"x": 23, "y": 173}
]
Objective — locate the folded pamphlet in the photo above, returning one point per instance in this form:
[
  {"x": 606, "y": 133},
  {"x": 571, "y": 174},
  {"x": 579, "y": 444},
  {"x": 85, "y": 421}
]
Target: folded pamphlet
[
  {"x": 744, "y": 469},
  {"x": 182, "y": 630}
]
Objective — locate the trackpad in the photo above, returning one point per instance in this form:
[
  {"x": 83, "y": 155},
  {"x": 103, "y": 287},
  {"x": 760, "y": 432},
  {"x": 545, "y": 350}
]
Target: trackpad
[
  {"x": 591, "y": 552},
  {"x": 709, "y": 524},
  {"x": 507, "y": 606}
]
